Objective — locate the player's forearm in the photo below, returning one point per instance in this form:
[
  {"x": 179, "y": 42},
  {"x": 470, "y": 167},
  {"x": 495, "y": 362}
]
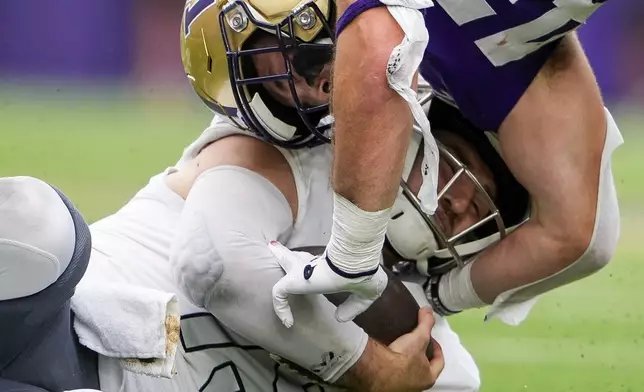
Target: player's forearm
[
  {"x": 373, "y": 123},
  {"x": 537, "y": 259},
  {"x": 361, "y": 376},
  {"x": 525, "y": 257}
]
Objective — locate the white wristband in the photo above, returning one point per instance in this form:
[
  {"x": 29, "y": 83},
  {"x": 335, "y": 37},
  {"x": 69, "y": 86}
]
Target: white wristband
[
  {"x": 456, "y": 292},
  {"x": 357, "y": 236}
]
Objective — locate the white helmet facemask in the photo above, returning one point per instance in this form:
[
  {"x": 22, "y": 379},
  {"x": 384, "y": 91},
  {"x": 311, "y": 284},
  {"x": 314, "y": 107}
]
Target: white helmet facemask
[{"x": 419, "y": 237}]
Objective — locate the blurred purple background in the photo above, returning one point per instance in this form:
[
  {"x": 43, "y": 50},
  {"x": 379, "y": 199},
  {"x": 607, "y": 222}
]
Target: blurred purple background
[
  {"x": 131, "y": 41},
  {"x": 136, "y": 42}
]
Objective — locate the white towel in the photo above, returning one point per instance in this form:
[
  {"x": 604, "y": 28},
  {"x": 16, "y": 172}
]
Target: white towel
[{"x": 137, "y": 325}]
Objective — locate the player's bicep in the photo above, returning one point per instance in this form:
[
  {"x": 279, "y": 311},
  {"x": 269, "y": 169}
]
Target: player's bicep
[
  {"x": 570, "y": 139},
  {"x": 230, "y": 214}
]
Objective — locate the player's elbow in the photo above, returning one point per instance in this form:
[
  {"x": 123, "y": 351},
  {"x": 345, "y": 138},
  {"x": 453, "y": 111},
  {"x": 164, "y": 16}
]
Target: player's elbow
[
  {"x": 575, "y": 248},
  {"x": 573, "y": 242},
  {"x": 195, "y": 260},
  {"x": 591, "y": 242}
]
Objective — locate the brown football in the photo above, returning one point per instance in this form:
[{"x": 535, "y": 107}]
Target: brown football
[{"x": 392, "y": 315}]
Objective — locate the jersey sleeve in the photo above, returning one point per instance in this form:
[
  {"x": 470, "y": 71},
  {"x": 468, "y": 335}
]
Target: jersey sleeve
[{"x": 222, "y": 262}]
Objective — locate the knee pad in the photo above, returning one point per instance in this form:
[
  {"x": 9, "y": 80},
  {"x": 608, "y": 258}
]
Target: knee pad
[{"x": 37, "y": 236}]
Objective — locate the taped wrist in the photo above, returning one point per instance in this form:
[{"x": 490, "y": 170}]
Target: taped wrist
[
  {"x": 353, "y": 11},
  {"x": 357, "y": 237},
  {"x": 456, "y": 291},
  {"x": 431, "y": 292}
]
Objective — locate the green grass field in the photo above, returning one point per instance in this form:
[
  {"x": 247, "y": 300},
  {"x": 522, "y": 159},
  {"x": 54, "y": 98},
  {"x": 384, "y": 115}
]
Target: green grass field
[{"x": 585, "y": 337}]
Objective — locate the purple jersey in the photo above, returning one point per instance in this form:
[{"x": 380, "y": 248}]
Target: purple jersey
[{"x": 483, "y": 54}]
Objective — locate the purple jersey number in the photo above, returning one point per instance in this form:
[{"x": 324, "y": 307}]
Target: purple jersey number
[{"x": 483, "y": 54}]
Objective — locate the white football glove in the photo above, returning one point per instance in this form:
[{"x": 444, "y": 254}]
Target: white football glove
[{"x": 309, "y": 274}]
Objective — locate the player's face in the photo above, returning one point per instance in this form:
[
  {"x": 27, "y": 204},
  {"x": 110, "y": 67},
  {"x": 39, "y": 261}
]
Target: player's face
[
  {"x": 463, "y": 205},
  {"x": 315, "y": 91}
]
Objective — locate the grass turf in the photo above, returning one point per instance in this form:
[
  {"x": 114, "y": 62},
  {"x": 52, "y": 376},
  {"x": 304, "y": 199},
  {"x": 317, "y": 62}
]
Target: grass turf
[{"x": 586, "y": 337}]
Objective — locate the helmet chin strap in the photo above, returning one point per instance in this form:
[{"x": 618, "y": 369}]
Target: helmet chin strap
[
  {"x": 276, "y": 127},
  {"x": 408, "y": 233}
]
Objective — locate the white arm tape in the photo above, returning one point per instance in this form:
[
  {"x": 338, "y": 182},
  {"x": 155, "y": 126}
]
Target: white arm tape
[
  {"x": 456, "y": 291},
  {"x": 222, "y": 262},
  {"x": 357, "y": 236}
]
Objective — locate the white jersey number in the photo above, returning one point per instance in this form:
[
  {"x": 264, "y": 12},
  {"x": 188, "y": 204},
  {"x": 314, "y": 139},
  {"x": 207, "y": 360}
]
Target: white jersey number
[
  {"x": 206, "y": 342},
  {"x": 221, "y": 361},
  {"x": 519, "y": 41}
]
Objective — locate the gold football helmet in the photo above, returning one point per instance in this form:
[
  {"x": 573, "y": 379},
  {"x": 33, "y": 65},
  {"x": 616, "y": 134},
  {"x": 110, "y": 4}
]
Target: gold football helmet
[{"x": 216, "y": 37}]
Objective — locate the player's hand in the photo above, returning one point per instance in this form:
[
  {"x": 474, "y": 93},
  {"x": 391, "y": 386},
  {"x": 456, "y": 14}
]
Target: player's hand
[
  {"x": 421, "y": 372},
  {"x": 309, "y": 274}
]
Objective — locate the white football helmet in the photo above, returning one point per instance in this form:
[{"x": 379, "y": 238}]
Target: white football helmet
[{"x": 418, "y": 237}]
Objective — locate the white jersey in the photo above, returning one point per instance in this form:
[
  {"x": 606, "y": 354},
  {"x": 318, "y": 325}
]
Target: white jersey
[{"x": 133, "y": 245}]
